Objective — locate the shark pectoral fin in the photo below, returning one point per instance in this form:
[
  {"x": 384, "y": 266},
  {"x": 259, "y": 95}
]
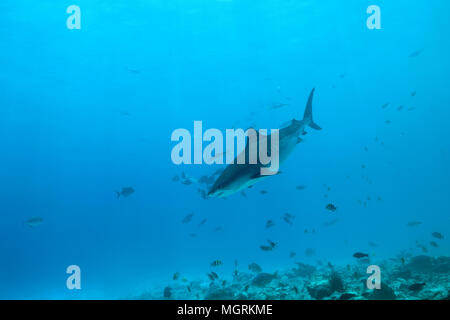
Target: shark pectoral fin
[{"x": 256, "y": 176}]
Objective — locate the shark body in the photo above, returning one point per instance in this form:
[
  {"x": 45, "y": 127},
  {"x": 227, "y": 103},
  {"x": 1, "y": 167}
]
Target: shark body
[{"x": 237, "y": 177}]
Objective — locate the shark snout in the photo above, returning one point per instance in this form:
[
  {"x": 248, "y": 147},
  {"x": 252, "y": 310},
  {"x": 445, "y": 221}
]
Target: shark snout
[{"x": 215, "y": 192}]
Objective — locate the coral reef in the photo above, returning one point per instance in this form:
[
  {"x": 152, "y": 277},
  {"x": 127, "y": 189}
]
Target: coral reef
[{"x": 419, "y": 277}]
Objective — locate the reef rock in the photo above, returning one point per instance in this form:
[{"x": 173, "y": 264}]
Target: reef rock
[
  {"x": 385, "y": 293},
  {"x": 220, "y": 294}
]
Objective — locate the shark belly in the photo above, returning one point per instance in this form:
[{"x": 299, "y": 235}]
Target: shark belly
[{"x": 287, "y": 146}]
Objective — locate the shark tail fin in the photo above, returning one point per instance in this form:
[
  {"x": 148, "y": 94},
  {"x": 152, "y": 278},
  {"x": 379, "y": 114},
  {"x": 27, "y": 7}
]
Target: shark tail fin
[{"x": 307, "y": 117}]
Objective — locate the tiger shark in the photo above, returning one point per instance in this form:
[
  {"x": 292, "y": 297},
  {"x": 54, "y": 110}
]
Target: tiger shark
[{"x": 237, "y": 177}]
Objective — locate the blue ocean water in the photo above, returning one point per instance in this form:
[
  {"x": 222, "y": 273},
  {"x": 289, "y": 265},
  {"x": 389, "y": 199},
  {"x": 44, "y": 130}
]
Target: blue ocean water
[{"x": 85, "y": 113}]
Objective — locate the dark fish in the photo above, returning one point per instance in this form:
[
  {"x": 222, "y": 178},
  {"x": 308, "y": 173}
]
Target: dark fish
[
  {"x": 372, "y": 244},
  {"x": 126, "y": 192},
  {"x": 279, "y": 105},
  {"x": 193, "y": 235},
  {"x": 167, "y": 292},
  {"x": 416, "y": 286},
  {"x": 243, "y": 194},
  {"x": 134, "y": 71},
  {"x": 186, "y": 182},
  {"x": 263, "y": 279},
  {"x": 213, "y": 276},
  {"x": 413, "y": 94},
  {"x": 416, "y": 53},
  {"x": 300, "y": 187},
  {"x": 263, "y": 192},
  {"x": 330, "y": 223},
  {"x": 388, "y": 121},
  {"x": 438, "y": 235},
  {"x": 254, "y": 267},
  {"x": 331, "y": 207},
  {"x": 216, "y": 263},
  {"x": 360, "y": 255},
  {"x": 413, "y": 223},
  {"x": 203, "y": 222},
  {"x": 434, "y": 244},
  {"x": 125, "y": 113},
  {"x": 266, "y": 248},
  {"x": 175, "y": 178},
  {"x": 176, "y": 275},
  {"x": 292, "y": 254},
  {"x": 272, "y": 244},
  {"x": 34, "y": 221},
  {"x": 288, "y": 221},
  {"x": 187, "y": 218},
  {"x": 269, "y": 224},
  {"x": 288, "y": 215},
  {"x": 235, "y": 272},
  {"x": 400, "y": 108},
  {"x": 384, "y": 106}
]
